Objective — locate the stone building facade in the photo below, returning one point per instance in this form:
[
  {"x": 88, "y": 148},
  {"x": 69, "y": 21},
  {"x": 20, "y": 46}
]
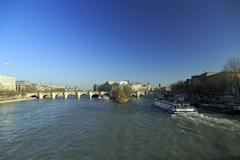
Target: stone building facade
[
  {"x": 209, "y": 86},
  {"x": 7, "y": 83},
  {"x": 107, "y": 86},
  {"x": 137, "y": 86},
  {"x": 28, "y": 87},
  {"x": 110, "y": 85}
]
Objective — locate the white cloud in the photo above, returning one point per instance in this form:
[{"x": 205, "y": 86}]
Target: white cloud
[{"x": 6, "y": 63}]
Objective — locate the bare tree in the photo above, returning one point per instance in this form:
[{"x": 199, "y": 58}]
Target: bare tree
[{"x": 233, "y": 68}]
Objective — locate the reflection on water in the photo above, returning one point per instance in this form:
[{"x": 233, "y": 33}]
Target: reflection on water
[
  {"x": 7, "y": 121},
  {"x": 91, "y": 129}
]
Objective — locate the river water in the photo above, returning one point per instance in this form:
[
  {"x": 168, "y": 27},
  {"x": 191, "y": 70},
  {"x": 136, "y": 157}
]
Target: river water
[{"x": 94, "y": 130}]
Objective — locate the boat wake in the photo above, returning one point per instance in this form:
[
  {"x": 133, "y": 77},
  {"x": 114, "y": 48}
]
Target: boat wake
[{"x": 201, "y": 119}]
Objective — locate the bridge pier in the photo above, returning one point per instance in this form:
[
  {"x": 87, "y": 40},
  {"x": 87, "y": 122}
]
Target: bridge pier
[
  {"x": 53, "y": 95},
  {"x": 138, "y": 95},
  {"x": 40, "y": 96},
  {"x": 65, "y": 95},
  {"x": 91, "y": 93},
  {"x": 78, "y": 95}
]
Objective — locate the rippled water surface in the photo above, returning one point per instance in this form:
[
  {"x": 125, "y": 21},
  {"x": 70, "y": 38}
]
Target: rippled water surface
[{"x": 90, "y": 129}]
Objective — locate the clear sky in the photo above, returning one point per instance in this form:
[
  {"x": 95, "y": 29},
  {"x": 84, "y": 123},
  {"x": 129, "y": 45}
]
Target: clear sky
[{"x": 80, "y": 42}]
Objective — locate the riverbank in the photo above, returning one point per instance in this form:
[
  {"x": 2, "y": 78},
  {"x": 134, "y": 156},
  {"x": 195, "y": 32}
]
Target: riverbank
[{"x": 16, "y": 100}]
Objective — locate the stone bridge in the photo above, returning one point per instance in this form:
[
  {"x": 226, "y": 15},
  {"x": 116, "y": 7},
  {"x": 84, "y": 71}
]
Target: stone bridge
[
  {"x": 139, "y": 94},
  {"x": 78, "y": 94},
  {"x": 65, "y": 94}
]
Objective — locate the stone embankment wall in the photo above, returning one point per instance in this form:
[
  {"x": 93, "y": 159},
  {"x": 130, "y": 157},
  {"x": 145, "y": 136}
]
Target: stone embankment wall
[
  {"x": 7, "y": 98},
  {"x": 11, "y": 99}
]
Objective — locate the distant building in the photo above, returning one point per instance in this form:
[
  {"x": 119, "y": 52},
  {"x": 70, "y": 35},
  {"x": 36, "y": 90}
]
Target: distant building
[
  {"x": 111, "y": 82},
  {"x": 208, "y": 86},
  {"x": 123, "y": 83},
  {"x": 137, "y": 86},
  {"x": 197, "y": 78},
  {"x": 21, "y": 86},
  {"x": 110, "y": 85},
  {"x": 165, "y": 89},
  {"x": 107, "y": 86},
  {"x": 26, "y": 86},
  {"x": 219, "y": 83},
  {"x": 7, "y": 83}
]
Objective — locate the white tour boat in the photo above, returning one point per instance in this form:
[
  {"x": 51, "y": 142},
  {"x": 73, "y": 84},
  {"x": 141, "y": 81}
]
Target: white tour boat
[
  {"x": 105, "y": 98},
  {"x": 174, "y": 107}
]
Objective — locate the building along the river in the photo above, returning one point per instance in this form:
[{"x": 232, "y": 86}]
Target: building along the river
[
  {"x": 28, "y": 87},
  {"x": 207, "y": 86},
  {"x": 107, "y": 86},
  {"x": 7, "y": 83},
  {"x": 135, "y": 86},
  {"x": 165, "y": 89}
]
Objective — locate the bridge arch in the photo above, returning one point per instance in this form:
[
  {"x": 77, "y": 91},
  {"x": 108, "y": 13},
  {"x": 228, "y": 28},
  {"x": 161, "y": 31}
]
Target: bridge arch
[
  {"x": 34, "y": 96},
  {"x": 83, "y": 94},
  {"x": 140, "y": 94},
  {"x": 95, "y": 95},
  {"x": 58, "y": 95},
  {"x": 134, "y": 95},
  {"x": 46, "y": 95}
]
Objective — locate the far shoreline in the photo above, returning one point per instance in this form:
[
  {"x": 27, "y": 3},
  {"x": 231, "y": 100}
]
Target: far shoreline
[{"x": 16, "y": 100}]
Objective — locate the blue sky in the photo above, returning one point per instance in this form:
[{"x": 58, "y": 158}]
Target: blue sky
[{"x": 81, "y": 42}]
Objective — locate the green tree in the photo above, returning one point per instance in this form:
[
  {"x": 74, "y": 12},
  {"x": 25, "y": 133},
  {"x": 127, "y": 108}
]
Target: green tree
[
  {"x": 122, "y": 93},
  {"x": 127, "y": 91}
]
